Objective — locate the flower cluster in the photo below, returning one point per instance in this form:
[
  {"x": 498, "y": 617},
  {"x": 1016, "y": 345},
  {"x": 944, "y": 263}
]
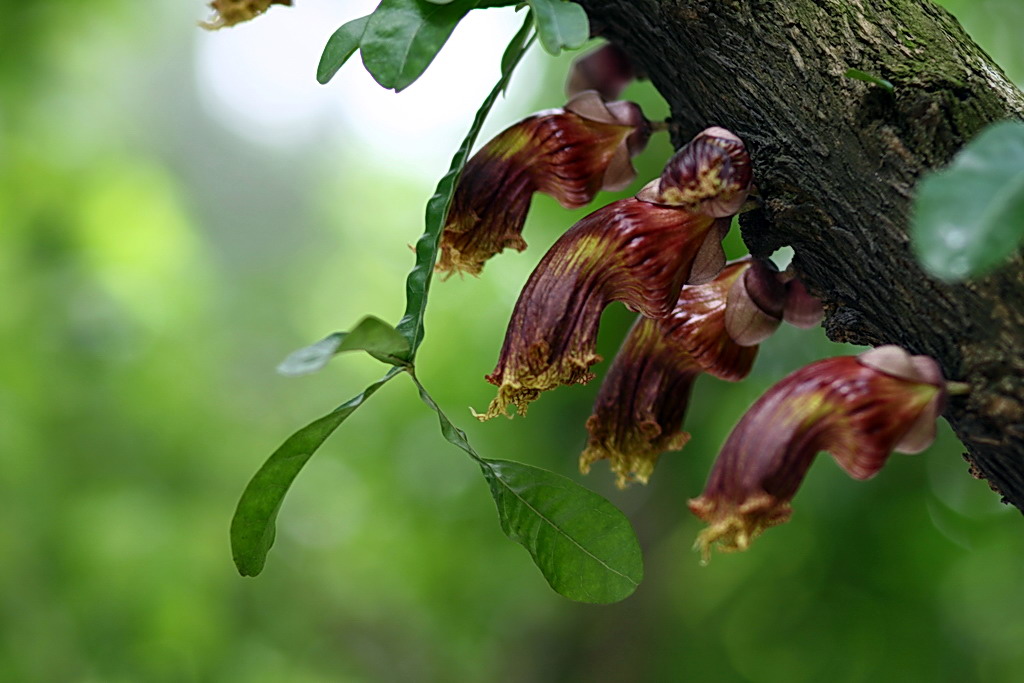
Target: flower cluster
[
  {"x": 639, "y": 251},
  {"x": 660, "y": 253}
]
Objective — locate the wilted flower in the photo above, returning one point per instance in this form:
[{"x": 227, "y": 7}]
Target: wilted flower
[
  {"x": 231, "y": 12},
  {"x": 569, "y": 154},
  {"x": 606, "y": 70},
  {"x": 858, "y": 409},
  {"x": 643, "y": 398},
  {"x": 635, "y": 251}
]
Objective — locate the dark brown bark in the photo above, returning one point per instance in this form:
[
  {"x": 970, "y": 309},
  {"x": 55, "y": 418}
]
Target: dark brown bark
[{"x": 836, "y": 161}]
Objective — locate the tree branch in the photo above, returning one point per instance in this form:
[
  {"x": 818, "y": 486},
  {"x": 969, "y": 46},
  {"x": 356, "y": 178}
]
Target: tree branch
[{"x": 836, "y": 161}]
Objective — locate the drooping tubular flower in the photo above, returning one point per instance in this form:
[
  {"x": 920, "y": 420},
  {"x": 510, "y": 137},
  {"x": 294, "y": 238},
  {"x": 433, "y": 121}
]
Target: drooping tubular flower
[
  {"x": 231, "y": 12},
  {"x": 644, "y": 396},
  {"x": 633, "y": 250},
  {"x": 570, "y": 154},
  {"x": 857, "y": 408}
]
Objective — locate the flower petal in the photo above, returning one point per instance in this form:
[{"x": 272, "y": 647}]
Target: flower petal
[
  {"x": 641, "y": 405},
  {"x": 803, "y": 309},
  {"x": 630, "y": 251},
  {"x": 855, "y": 412},
  {"x": 697, "y": 325},
  {"x": 755, "y": 305}
]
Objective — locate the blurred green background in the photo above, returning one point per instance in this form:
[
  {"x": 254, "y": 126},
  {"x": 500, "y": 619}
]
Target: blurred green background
[{"x": 178, "y": 210}]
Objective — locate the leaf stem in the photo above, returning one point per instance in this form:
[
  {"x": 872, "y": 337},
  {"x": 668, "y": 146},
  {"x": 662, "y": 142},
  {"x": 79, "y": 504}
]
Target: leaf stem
[{"x": 957, "y": 388}]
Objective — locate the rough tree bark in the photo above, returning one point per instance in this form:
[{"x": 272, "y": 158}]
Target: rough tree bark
[{"x": 836, "y": 161}]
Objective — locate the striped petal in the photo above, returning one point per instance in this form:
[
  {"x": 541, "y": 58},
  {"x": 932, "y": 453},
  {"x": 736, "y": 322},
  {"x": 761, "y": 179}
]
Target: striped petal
[
  {"x": 569, "y": 154},
  {"x": 641, "y": 405},
  {"x": 858, "y": 409},
  {"x": 644, "y": 396},
  {"x": 631, "y": 251}
]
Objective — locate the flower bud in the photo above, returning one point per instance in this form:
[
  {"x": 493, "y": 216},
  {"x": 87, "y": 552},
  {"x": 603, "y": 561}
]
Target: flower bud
[{"x": 710, "y": 175}]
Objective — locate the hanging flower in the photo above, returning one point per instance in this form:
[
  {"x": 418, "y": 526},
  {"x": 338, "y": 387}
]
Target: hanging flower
[
  {"x": 630, "y": 251},
  {"x": 635, "y": 251},
  {"x": 569, "y": 154},
  {"x": 607, "y": 70},
  {"x": 643, "y": 398},
  {"x": 231, "y": 12},
  {"x": 858, "y": 409}
]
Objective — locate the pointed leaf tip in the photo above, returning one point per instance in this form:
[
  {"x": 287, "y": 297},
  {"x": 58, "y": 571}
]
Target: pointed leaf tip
[
  {"x": 253, "y": 527},
  {"x": 582, "y": 544},
  {"x": 371, "y": 334}
]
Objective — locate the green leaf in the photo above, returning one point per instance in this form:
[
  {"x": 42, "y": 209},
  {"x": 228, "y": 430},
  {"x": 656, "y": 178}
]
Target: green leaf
[
  {"x": 340, "y": 46},
  {"x": 402, "y": 38},
  {"x": 253, "y": 526},
  {"x": 868, "y": 78},
  {"x": 561, "y": 25},
  {"x": 370, "y": 334},
  {"x": 969, "y": 217},
  {"x": 582, "y": 544},
  {"x": 417, "y": 285}
]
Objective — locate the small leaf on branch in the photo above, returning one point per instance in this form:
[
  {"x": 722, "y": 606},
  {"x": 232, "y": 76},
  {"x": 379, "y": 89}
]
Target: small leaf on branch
[
  {"x": 370, "y": 334},
  {"x": 340, "y": 46},
  {"x": 582, "y": 544},
  {"x": 253, "y": 525},
  {"x": 402, "y": 37},
  {"x": 417, "y": 285},
  {"x": 561, "y": 25},
  {"x": 868, "y": 78},
  {"x": 969, "y": 217}
]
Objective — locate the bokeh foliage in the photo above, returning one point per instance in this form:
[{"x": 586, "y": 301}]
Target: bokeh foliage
[{"x": 157, "y": 267}]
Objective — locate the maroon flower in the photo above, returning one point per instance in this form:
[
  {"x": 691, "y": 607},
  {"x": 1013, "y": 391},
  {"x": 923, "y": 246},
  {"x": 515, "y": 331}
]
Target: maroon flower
[
  {"x": 643, "y": 398},
  {"x": 569, "y": 154},
  {"x": 630, "y": 251},
  {"x": 636, "y": 251},
  {"x": 858, "y": 409},
  {"x": 606, "y": 70}
]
